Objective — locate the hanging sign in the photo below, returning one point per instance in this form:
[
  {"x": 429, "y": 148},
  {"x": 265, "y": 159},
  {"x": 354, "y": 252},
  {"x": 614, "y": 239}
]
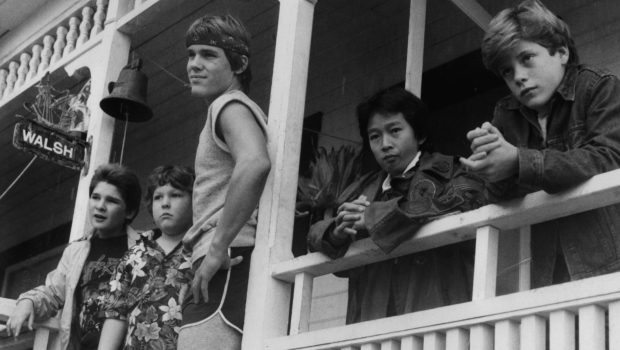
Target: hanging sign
[{"x": 49, "y": 143}]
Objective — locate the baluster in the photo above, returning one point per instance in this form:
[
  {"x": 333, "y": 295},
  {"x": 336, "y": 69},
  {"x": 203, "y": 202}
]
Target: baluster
[
  {"x": 59, "y": 44},
  {"x": 614, "y": 325},
  {"x": 507, "y": 335},
  {"x": 457, "y": 339},
  {"x": 411, "y": 342},
  {"x": 87, "y": 23},
  {"x": 22, "y": 71},
  {"x": 35, "y": 61},
  {"x": 72, "y": 36},
  {"x": 11, "y": 78},
  {"x": 434, "y": 341},
  {"x": 592, "y": 327},
  {"x": 3, "y": 75},
  {"x": 99, "y": 17},
  {"x": 533, "y": 333},
  {"x": 46, "y": 53},
  {"x": 562, "y": 330}
]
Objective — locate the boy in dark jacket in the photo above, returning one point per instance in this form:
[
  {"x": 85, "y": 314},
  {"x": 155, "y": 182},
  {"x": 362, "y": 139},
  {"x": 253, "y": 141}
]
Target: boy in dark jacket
[
  {"x": 413, "y": 187},
  {"x": 559, "y": 127}
]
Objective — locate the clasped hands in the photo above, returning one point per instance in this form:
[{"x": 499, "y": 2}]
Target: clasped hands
[
  {"x": 350, "y": 218},
  {"x": 492, "y": 158}
]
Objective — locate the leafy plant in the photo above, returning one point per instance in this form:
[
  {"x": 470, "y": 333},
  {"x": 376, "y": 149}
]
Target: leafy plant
[{"x": 330, "y": 173}]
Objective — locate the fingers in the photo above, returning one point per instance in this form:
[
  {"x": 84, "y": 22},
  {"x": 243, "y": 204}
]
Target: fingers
[
  {"x": 31, "y": 321},
  {"x": 235, "y": 261},
  {"x": 477, "y": 132},
  {"x": 196, "y": 288},
  {"x": 487, "y": 148},
  {"x": 473, "y": 164},
  {"x": 483, "y": 140},
  {"x": 353, "y": 206},
  {"x": 204, "y": 288},
  {"x": 344, "y": 229}
]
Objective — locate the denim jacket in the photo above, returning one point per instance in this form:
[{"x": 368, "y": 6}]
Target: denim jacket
[
  {"x": 441, "y": 276},
  {"x": 583, "y": 139}
]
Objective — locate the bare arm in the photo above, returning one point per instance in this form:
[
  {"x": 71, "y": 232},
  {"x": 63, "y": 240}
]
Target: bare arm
[
  {"x": 248, "y": 148},
  {"x": 112, "y": 334}
]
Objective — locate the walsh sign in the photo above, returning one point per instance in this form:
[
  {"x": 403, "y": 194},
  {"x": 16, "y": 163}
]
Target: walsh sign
[{"x": 49, "y": 143}]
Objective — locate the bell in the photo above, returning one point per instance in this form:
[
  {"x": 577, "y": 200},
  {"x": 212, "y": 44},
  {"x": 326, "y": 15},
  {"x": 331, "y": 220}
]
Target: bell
[{"x": 127, "y": 100}]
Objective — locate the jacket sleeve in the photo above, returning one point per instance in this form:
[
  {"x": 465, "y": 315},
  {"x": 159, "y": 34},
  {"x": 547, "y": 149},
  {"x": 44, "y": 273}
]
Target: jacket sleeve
[
  {"x": 392, "y": 222},
  {"x": 48, "y": 299},
  {"x": 319, "y": 239},
  {"x": 553, "y": 170}
]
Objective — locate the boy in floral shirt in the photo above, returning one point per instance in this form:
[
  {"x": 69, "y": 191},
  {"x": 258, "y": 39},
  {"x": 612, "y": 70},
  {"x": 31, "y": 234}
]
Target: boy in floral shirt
[{"x": 152, "y": 277}]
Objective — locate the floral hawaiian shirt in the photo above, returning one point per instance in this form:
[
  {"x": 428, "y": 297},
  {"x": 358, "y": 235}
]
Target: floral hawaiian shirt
[{"x": 146, "y": 291}]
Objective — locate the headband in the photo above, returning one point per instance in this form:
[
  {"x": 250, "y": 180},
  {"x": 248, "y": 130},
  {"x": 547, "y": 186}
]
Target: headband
[{"x": 225, "y": 42}]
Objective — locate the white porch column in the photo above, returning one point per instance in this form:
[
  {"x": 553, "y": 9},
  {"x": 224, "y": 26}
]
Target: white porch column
[
  {"x": 114, "y": 51},
  {"x": 415, "y": 46},
  {"x": 267, "y": 306}
]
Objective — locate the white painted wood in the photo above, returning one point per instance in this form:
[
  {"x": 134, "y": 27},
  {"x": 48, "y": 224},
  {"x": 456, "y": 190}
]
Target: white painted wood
[
  {"x": 525, "y": 258},
  {"x": 22, "y": 71},
  {"x": 99, "y": 17},
  {"x": 113, "y": 53},
  {"x": 601, "y": 190},
  {"x": 390, "y": 345},
  {"x": 481, "y": 337},
  {"x": 562, "y": 330},
  {"x": 46, "y": 53},
  {"x": 350, "y": 348},
  {"x": 33, "y": 65},
  {"x": 474, "y": 11},
  {"x": 415, "y": 46},
  {"x": 485, "y": 268},
  {"x": 266, "y": 313},
  {"x": 72, "y": 35},
  {"x": 507, "y": 335},
  {"x": 11, "y": 79},
  {"x": 85, "y": 25},
  {"x": 41, "y": 337},
  {"x": 411, "y": 342},
  {"x": 434, "y": 341},
  {"x": 3, "y": 74},
  {"x": 614, "y": 326},
  {"x": 598, "y": 290},
  {"x": 370, "y": 347},
  {"x": 59, "y": 44},
  {"x": 592, "y": 327},
  {"x": 533, "y": 333},
  {"x": 457, "y": 339},
  {"x": 302, "y": 300}
]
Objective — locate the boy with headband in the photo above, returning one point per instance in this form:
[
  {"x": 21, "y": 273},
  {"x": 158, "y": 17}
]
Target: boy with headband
[{"x": 231, "y": 166}]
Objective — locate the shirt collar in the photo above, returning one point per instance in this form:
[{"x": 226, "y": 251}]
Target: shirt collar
[{"x": 386, "y": 183}]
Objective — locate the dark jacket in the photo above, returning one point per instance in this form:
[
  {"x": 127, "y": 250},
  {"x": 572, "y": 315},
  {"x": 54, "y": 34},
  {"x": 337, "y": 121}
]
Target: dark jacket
[
  {"x": 583, "y": 139},
  {"x": 441, "y": 276}
]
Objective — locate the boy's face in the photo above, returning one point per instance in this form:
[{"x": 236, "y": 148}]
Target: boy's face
[
  {"x": 172, "y": 210},
  {"x": 107, "y": 209},
  {"x": 533, "y": 74},
  {"x": 209, "y": 72},
  {"x": 392, "y": 141}
]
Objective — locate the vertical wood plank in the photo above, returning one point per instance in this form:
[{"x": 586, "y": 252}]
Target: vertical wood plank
[
  {"x": 457, "y": 339},
  {"x": 562, "y": 330},
  {"x": 485, "y": 268},
  {"x": 41, "y": 337},
  {"x": 410, "y": 342},
  {"x": 481, "y": 337},
  {"x": 475, "y": 12},
  {"x": 302, "y": 299},
  {"x": 370, "y": 347},
  {"x": 434, "y": 341},
  {"x": 415, "y": 46},
  {"x": 390, "y": 345},
  {"x": 507, "y": 335},
  {"x": 525, "y": 258},
  {"x": 266, "y": 313},
  {"x": 592, "y": 327},
  {"x": 614, "y": 325},
  {"x": 113, "y": 51},
  {"x": 533, "y": 333}
]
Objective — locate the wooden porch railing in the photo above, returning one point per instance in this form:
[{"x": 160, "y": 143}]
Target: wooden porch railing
[
  {"x": 544, "y": 318},
  {"x": 45, "y": 332}
]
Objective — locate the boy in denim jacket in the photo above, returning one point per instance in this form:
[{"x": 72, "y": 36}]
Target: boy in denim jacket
[{"x": 559, "y": 127}]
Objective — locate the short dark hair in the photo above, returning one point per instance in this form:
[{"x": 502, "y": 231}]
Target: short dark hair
[
  {"x": 179, "y": 177},
  {"x": 392, "y": 101},
  {"x": 531, "y": 21},
  {"x": 225, "y": 25},
  {"x": 125, "y": 181}
]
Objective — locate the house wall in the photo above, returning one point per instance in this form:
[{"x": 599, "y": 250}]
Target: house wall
[{"x": 358, "y": 47}]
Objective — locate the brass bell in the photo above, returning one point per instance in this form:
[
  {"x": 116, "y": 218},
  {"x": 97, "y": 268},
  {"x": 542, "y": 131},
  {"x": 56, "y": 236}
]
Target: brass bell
[{"x": 127, "y": 100}]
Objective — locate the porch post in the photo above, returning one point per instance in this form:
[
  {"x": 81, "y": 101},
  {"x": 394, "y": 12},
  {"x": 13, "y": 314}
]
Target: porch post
[
  {"x": 415, "y": 46},
  {"x": 267, "y": 306},
  {"x": 114, "y": 50}
]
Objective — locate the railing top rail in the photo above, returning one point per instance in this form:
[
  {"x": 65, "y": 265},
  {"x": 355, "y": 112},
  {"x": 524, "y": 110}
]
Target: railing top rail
[{"x": 600, "y": 191}]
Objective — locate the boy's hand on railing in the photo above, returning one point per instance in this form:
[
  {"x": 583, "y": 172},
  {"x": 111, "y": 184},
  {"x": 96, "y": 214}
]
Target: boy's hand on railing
[
  {"x": 493, "y": 157},
  {"x": 24, "y": 310},
  {"x": 350, "y": 218}
]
